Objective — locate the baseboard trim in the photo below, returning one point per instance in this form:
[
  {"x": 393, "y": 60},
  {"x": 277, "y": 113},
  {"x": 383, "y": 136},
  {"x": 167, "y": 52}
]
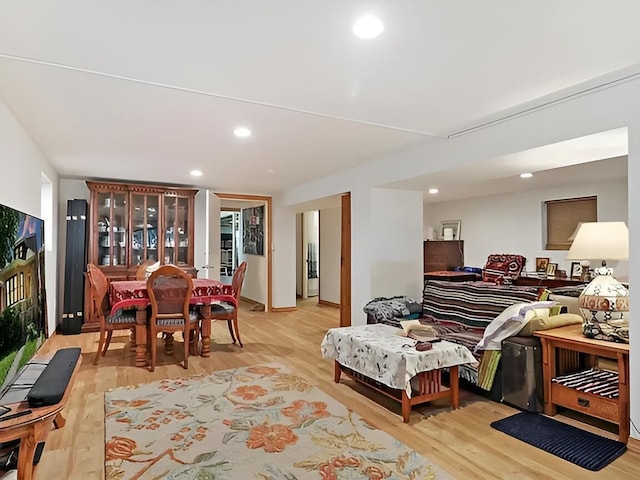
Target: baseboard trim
[
  {"x": 633, "y": 444},
  {"x": 284, "y": 309},
  {"x": 327, "y": 303}
]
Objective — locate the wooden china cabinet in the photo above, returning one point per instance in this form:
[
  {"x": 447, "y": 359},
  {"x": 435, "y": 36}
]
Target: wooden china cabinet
[{"x": 131, "y": 223}]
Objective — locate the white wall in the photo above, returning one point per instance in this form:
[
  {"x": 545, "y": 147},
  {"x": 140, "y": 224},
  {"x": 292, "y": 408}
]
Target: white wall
[
  {"x": 299, "y": 256},
  {"x": 396, "y": 239},
  {"x": 284, "y": 257},
  {"x": 22, "y": 166},
  {"x": 518, "y": 226},
  {"x": 600, "y": 110},
  {"x": 330, "y": 228}
]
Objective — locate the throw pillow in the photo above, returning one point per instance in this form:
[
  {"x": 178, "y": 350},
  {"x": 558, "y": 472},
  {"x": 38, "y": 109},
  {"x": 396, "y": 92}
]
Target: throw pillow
[
  {"x": 570, "y": 302},
  {"x": 510, "y": 322},
  {"x": 502, "y": 267},
  {"x": 546, "y": 323}
]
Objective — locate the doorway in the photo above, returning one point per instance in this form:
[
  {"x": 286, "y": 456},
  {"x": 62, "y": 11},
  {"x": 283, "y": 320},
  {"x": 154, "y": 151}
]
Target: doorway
[
  {"x": 247, "y": 224},
  {"x": 310, "y": 252},
  {"x": 323, "y": 254},
  {"x": 229, "y": 242}
]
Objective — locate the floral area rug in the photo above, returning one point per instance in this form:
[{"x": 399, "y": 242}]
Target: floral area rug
[{"x": 261, "y": 422}]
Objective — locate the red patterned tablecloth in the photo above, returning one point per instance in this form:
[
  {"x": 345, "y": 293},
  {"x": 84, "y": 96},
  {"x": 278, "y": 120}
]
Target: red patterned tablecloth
[{"x": 130, "y": 293}]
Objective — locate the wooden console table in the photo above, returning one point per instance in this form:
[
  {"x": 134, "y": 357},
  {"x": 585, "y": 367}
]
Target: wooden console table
[
  {"x": 544, "y": 281},
  {"x": 452, "y": 276},
  {"x": 34, "y": 427},
  {"x": 380, "y": 358},
  {"x": 566, "y": 350}
]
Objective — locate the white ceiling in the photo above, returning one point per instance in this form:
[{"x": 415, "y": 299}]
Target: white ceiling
[
  {"x": 599, "y": 156},
  {"x": 150, "y": 89}
]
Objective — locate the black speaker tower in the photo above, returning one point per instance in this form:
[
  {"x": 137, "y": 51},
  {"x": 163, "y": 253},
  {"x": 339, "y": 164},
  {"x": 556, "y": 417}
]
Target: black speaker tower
[{"x": 75, "y": 266}]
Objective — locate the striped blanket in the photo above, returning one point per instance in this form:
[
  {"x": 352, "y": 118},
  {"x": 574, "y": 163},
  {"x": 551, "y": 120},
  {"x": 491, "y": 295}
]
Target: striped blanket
[
  {"x": 473, "y": 304},
  {"x": 594, "y": 381},
  {"x": 460, "y": 312}
]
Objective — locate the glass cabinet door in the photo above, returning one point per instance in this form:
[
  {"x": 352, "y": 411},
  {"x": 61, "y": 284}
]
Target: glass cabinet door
[
  {"x": 144, "y": 227},
  {"x": 112, "y": 229},
  {"x": 176, "y": 235}
]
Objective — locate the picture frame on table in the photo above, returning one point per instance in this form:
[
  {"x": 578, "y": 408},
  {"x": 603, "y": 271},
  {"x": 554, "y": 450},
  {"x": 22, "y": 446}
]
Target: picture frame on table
[
  {"x": 576, "y": 270},
  {"x": 551, "y": 269},
  {"x": 541, "y": 264},
  {"x": 450, "y": 229}
]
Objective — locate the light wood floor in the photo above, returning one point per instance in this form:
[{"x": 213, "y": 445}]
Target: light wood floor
[{"x": 461, "y": 441}]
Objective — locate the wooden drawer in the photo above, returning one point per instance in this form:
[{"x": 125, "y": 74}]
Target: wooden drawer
[{"x": 594, "y": 405}]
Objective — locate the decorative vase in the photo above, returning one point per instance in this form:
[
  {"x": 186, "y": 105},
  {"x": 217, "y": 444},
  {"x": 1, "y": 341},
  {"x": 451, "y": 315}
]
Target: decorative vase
[{"x": 604, "y": 305}]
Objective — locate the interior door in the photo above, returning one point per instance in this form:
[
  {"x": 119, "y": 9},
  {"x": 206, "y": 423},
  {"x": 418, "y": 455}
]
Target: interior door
[
  {"x": 345, "y": 262},
  {"x": 213, "y": 252}
]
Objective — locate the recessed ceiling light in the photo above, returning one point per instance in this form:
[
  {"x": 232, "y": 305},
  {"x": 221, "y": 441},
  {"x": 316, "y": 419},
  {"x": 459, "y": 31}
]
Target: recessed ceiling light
[
  {"x": 433, "y": 191},
  {"x": 368, "y": 27},
  {"x": 242, "y": 132},
  {"x": 526, "y": 175},
  {"x": 196, "y": 173}
]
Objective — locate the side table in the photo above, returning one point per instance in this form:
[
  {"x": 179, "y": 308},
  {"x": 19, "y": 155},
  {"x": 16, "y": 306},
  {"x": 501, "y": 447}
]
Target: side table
[
  {"x": 380, "y": 358},
  {"x": 566, "y": 350}
]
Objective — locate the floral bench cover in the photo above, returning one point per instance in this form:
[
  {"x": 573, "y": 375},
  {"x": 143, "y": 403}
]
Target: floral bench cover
[{"x": 378, "y": 352}]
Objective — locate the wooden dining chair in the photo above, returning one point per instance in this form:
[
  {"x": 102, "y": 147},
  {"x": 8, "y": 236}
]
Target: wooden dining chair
[
  {"x": 109, "y": 321},
  {"x": 141, "y": 271},
  {"x": 227, "y": 309},
  {"x": 170, "y": 289}
]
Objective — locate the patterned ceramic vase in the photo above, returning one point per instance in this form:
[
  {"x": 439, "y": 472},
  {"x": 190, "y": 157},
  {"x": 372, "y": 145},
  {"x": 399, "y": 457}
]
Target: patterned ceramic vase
[{"x": 604, "y": 305}]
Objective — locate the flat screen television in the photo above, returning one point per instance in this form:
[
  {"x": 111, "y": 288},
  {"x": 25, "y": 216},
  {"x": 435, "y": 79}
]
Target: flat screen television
[{"x": 23, "y": 322}]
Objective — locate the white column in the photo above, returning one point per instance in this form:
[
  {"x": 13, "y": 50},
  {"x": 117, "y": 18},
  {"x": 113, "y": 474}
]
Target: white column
[{"x": 283, "y": 277}]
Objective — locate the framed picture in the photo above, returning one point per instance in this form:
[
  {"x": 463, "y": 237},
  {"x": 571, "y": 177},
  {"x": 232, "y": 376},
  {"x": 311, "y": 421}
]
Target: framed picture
[
  {"x": 551, "y": 268},
  {"x": 576, "y": 270},
  {"x": 450, "y": 230},
  {"x": 541, "y": 264},
  {"x": 253, "y": 230}
]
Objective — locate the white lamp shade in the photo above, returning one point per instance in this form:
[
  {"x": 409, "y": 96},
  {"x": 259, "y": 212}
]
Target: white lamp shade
[{"x": 600, "y": 241}]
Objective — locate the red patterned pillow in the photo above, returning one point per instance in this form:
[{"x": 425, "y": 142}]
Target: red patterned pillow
[{"x": 503, "y": 268}]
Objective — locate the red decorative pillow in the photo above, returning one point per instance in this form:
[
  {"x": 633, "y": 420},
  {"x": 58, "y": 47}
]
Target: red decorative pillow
[{"x": 503, "y": 268}]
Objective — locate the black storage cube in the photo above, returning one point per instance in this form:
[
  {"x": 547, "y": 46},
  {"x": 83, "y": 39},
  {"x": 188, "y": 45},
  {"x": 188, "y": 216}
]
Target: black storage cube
[
  {"x": 71, "y": 326},
  {"x": 522, "y": 383}
]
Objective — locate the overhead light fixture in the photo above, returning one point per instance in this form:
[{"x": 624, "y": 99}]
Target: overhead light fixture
[
  {"x": 433, "y": 191},
  {"x": 196, "y": 173},
  {"x": 242, "y": 132},
  {"x": 368, "y": 27},
  {"x": 526, "y": 175}
]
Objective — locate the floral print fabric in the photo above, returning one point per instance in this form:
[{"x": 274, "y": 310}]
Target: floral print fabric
[
  {"x": 262, "y": 422},
  {"x": 378, "y": 352}
]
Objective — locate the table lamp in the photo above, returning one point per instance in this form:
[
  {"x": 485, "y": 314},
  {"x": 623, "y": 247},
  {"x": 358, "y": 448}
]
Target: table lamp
[{"x": 604, "y": 303}]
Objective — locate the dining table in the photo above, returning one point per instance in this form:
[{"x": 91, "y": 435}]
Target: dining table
[{"x": 132, "y": 294}]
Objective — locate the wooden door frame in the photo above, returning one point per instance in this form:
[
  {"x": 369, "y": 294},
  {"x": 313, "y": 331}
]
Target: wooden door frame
[
  {"x": 345, "y": 260},
  {"x": 267, "y": 250}
]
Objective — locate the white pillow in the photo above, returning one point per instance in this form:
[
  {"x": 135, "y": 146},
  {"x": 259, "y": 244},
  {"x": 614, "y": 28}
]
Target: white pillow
[
  {"x": 510, "y": 322},
  {"x": 151, "y": 268}
]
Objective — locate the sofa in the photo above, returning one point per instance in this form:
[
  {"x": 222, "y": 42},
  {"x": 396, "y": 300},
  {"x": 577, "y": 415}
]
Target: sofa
[
  {"x": 461, "y": 312},
  {"x": 478, "y": 315}
]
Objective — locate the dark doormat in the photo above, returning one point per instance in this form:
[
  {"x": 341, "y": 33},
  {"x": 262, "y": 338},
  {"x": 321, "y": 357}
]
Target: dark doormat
[{"x": 583, "y": 448}]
